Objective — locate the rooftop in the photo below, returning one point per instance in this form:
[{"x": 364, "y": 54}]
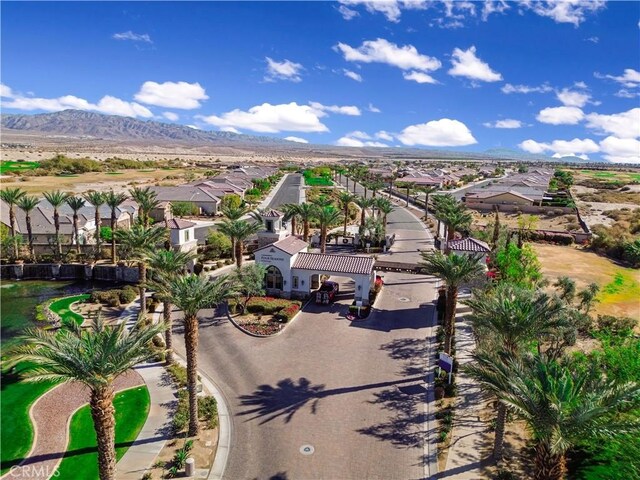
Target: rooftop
[
  {"x": 290, "y": 245},
  {"x": 468, "y": 245},
  {"x": 350, "y": 264},
  {"x": 179, "y": 224}
]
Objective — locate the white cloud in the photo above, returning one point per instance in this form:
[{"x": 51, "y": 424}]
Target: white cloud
[
  {"x": 267, "y": 118},
  {"x": 358, "y": 139},
  {"x": 347, "y": 13},
  {"x": 229, "y": 129},
  {"x": 466, "y": 64},
  {"x": 621, "y": 150},
  {"x": 506, "y": 123},
  {"x": 508, "y": 88},
  {"x": 373, "y": 109},
  {"x": 108, "y": 105},
  {"x": 285, "y": 70},
  {"x": 490, "y": 7},
  {"x": 624, "y": 93},
  {"x": 382, "y": 135},
  {"x": 5, "y": 92},
  {"x": 560, "y": 115},
  {"x": 562, "y": 148},
  {"x": 134, "y": 37},
  {"x": 380, "y": 50},
  {"x": 437, "y": 133},
  {"x": 630, "y": 78},
  {"x": 389, "y": 8},
  {"x": 592, "y": 39},
  {"x": 170, "y": 116},
  {"x": 296, "y": 139},
  {"x": 622, "y": 125},
  {"x": 352, "y": 75},
  {"x": 321, "y": 109},
  {"x": 571, "y": 98},
  {"x": 419, "y": 77},
  {"x": 181, "y": 95},
  {"x": 564, "y": 11}
]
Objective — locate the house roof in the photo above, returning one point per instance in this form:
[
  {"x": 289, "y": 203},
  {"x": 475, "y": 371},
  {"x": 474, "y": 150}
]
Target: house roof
[
  {"x": 179, "y": 224},
  {"x": 185, "y": 193},
  {"x": 271, "y": 213},
  {"x": 468, "y": 245},
  {"x": 351, "y": 264},
  {"x": 290, "y": 245}
]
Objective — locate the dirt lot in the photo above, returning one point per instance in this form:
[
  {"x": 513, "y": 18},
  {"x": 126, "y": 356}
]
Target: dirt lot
[
  {"x": 558, "y": 223},
  {"x": 619, "y": 286},
  {"x": 119, "y": 181}
]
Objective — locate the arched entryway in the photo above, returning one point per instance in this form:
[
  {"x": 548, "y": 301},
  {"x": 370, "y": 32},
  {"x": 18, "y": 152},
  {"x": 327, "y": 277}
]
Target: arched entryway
[{"x": 273, "y": 278}]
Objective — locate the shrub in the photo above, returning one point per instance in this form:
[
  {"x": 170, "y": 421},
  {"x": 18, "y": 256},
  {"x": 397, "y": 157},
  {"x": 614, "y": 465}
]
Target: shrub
[
  {"x": 208, "y": 410},
  {"x": 180, "y": 418},
  {"x": 179, "y": 374},
  {"x": 622, "y": 326},
  {"x": 218, "y": 245},
  {"x": 286, "y": 314},
  {"x": 128, "y": 294}
]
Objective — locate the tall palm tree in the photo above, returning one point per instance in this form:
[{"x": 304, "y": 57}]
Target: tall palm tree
[
  {"x": 326, "y": 216},
  {"x": 427, "y": 191},
  {"x": 376, "y": 185},
  {"x": 233, "y": 212},
  {"x": 344, "y": 199},
  {"x": 456, "y": 221},
  {"x": 114, "y": 200},
  {"x": 363, "y": 203},
  {"x": 507, "y": 319},
  {"x": 192, "y": 293},
  {"x": 11, "y": 196},
  {"x": 166, "y": 265},
  {"x": 239, "y": 231},
  {"x": 147, "y": 200},
  {"x": 306, "y": 212},
  {"x": 588, "y": 296},
  {"x": 95, "y": 357},
  {"x": 375, "y": 230},
  {"x": 385, "y": 207},
  {"x": 408, "y": 186},
  {"x": 322, "y": 201},
  {"x": 96, "y": 200},
  {"x": 561, "y": 405},
  {"x": 454, "y": 270},
  {"x": 27, "y": 203},
  {"x": 290, "y": 211},
  {"x": 140, "y": 242},
  {"x": 75, "y": 203},
  {"x": 56, "y": 198},
  {"x": 567, "y": 287}
]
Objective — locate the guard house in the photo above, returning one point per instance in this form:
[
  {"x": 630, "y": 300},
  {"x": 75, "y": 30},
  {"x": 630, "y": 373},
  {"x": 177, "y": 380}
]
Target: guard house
[
  {"x": 182, "y": 235},
  {"x": 469, "y": 246},
  {"x": 274, "y": 231},
  {"x": 293, "y": 272}
]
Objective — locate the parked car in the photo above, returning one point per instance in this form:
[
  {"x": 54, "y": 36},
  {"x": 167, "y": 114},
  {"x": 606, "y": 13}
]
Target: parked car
[{"x": 327, "y": 293}]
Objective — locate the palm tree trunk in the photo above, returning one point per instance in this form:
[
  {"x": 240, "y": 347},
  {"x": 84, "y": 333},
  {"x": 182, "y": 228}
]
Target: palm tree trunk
[
  {"x": 239, "y": 250},
  {"x": 498, "y": 441},
  {"x": 323, "y": 239},
  {"x": 168, "y": 338},
  {"x": 548, "y": 466},
  {"x": 450, "y": 318},
  {"x": 363, "y": 215},
  {"x": 142, "y": 280},
  {"x": 293, "y": 225},
  {"x": 365, "y": 191},
  {"x": 113, "y": 237},
  {"x": 305, "y": 233},
  {"x": 233, "y": 250},
  {"x": 98, "y": 239},
  {"x": 56, "y": 223},
  {"x": 12, "y": 222},
  {"x": 426, "y": 207},
  {"x": 191, "y": 346},
  {"x": 76, "y": 237},
  {"x": 346, "y": 219},
  {"x": 32, "y": 253},
  {"x": 408, "y": 196},
  {"x": 103, "y": 414}
]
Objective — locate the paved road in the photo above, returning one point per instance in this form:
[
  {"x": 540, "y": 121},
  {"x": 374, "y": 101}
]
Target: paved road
[
  {"x": 354, "y": 391},
  {"x": 289, "y": 192}
]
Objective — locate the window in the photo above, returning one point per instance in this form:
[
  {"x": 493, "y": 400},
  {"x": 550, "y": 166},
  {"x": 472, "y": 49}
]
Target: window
[
  {"x": 186, "y": 235},
  {"x": 269, "y": 225},
  {"x": 274, "y": 278},
  {"x": 295, "y": 283}
]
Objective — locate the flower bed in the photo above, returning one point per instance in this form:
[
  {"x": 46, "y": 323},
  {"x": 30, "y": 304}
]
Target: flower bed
[{"x": 264, "y": 316}]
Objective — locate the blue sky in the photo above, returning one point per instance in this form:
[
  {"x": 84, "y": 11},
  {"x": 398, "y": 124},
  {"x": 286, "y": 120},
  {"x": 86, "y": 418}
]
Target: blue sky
[{"x": 554, "y": 78}]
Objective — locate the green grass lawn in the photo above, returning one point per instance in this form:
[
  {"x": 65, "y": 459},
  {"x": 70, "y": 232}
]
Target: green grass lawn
[
  {"x": 81, "y": 459},
  {"x": 13, "y": 166},
  {"x": 63, "y": 308}
]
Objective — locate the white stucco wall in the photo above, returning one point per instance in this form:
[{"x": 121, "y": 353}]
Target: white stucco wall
[{"x": 272, "y": 256}]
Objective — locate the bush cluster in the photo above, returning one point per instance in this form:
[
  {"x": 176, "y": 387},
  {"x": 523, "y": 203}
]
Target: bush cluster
[
  {"x": 287, "y": 313},
  {"x": 552, "y": 237},
  {"x": 115, "y": 297},
  {"x": 268, "y": 305},
  {"x": 258, "y": 328}
]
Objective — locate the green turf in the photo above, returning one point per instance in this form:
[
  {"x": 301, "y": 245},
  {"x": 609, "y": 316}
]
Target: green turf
[
  {"x": 13, "y": 166},
  {"x": 63, "y": 308},
  {"x": 81, "y": 459},
  {"x": 114, "y": 173}
]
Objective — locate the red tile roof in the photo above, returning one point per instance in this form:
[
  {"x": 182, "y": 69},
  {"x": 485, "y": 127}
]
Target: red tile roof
[
  {"x": 290, "y": 245},
  {"x": 353, "y": 264},
  {"x": 178, "y": 224},
  {"x": 469, "y": 245}
]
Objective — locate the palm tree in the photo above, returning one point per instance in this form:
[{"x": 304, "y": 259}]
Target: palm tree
[
  {"x": 166, "y": 265},
  {"x": 385, "y": 207},
  {"x": 376, "y": 185},
  {"x": 114, "y": 200},
  {"x": 192, "y": 293},
  {"x": 427, "y": 191},
  {"x": 26, "y": 204},
  {"x": 147, "y": 200},
  {"x": 567, "y": 288},
  {"x": 588, "y": 296},
  {"x": 96, "y": 200},
  {"x": 456, "y": 220},
  {"x": 232, "y": 212},
  {"x": 345, "y": 199},
  {"x": 561, "y": 405},
  {"x": 326, "y": 216},
  {"x": 363, "y": 203},
  {"x": 239, "y": 231},
  {"x": 56, "y": 199},
  {"x": 306, "y": 212},
  {"x": 408, "y": 187},
  {"x": 375, "y": 230},
  {"x": 454, "y": 270},
  {"x": 140, "y": 242},
  {"x": 75, "y": 203},
  {"x": 508, "y": 319},
  {"x": 94, "y": 357},
  {"x": 290, "y": 211},
  {"x": 322, "y": 201},
  {"x": 11, "y": 196}
]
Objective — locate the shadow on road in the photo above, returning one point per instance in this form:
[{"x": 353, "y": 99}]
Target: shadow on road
[
  {"x": 288, "y": 396},
  {"x": 387, "y": 320}
]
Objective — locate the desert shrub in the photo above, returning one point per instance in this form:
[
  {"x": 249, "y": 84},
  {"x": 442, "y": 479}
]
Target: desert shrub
[
  {"x": 208, "y": 410},
  {"x": 60, "y": 164},
  {"x": 183, "y": 209},
  {"x": 180, "y": 418},
  {"x": 106, "y": 297},
  {"x": 127, "y": 295},
  {"x": 618, "y": 326},
  {"x": 286, "y": 314},
  {"x": 218, "y": 245},
  {"x": 231, "y": 201},
  {"x": 179, "y": 374}
]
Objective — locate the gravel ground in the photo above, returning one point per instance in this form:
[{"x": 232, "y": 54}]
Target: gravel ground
[{"x": 50, "y": 415}]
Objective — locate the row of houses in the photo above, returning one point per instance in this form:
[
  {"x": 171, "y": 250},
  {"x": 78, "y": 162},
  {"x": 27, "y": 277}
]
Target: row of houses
[
  {"x": 519, "y": 189},
  {"x": 434, "y": 177}
]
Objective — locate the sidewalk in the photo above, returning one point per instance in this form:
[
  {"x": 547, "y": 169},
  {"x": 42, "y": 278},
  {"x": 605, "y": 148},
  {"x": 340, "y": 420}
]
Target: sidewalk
[{"x": 470, "y": 448}]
